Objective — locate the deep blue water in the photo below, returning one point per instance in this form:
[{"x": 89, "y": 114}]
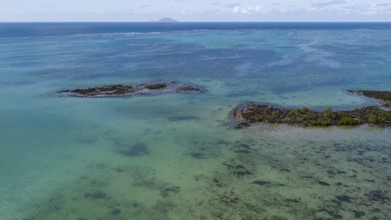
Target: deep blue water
[
  {"x": 60, "y": 157},
  {"x": 60, "y": 29}
]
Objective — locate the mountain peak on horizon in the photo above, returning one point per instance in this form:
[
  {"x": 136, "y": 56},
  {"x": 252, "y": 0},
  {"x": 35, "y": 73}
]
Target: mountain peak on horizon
[{"x": 167, "y": 19}]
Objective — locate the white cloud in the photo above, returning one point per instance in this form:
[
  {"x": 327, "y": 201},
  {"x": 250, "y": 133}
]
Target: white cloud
[
  {"x": 377, "y": 8},
  {"x": 233, "y": 5},
  {"x": 321, "y": 5},
  {"x": 248, "y": 10}
]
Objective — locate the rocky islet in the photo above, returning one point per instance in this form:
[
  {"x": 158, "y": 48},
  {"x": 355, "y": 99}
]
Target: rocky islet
[
  {"x": 259, "y": 113},
  {"x": 252, "y": 112},
  {"x": 143, "y": 89}
]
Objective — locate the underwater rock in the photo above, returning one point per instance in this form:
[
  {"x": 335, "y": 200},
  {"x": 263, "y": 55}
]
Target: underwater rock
[
  {"x": 115, "y": 211},
  {"x": 378, "y": 196},
  {"x": 183, "y": 118},
  {"x": 96, "y": 195},
  {"x": 358, "y": 214},
  {"x": 204, "y": 151},
  {"x": 197, "y": 155},
  {"x": 260, "y": 113},
  {"x": 261, "y": 182},
  {"x": 102, "y": 91},
  {"x": 383, "y": 96},
  {"x": 138, "y": 149},
  {"x": 242, "y": 149},
  {"x": 323, "y": 183},
  {"x": 128, "y": 90},
  {"x": 237, "y": 170},
  {"x": 165, "y": 189},
  {"x": 344, "y": 198},
  {"x": 156, "y": 86},
  {"x": 188, "y": 89}
]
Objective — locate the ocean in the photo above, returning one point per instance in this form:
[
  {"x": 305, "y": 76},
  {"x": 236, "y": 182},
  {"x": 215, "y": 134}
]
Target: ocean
[{"x": 178, "y": 156}]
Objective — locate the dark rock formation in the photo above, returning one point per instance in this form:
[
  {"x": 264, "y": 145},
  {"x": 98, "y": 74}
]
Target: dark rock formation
[
  {"x": 128, "y": 90},
  {"x": 254, "y": 113},
  {"x": 156, "y": 86},
  {"x": 188, "y": 89},
  {"x": 138, "y": 149},
  {"x": 383, "y": 96},
  {"x": 101, "y": 91}
]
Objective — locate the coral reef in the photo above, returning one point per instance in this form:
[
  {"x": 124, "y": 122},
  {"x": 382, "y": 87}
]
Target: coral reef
[
  {"x": 384, "y": 97},
  {"x": 253, "y": 113},
  {"x": 128, "y": 90}
]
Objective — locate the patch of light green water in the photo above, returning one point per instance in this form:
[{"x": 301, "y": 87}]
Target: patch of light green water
[{"x": 177, "y": 157}]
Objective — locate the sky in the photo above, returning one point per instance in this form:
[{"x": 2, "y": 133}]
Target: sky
[{"x": 194, "y": 10}]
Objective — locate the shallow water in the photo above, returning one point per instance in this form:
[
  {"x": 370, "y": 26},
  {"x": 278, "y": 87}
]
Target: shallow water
[{"x": 177, "y": 156}]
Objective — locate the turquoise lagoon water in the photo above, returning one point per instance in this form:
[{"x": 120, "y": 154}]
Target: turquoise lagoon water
[{"x": 68, "y": 158}]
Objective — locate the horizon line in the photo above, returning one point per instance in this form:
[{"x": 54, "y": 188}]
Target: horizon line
[{"x": 159, "y": 22}]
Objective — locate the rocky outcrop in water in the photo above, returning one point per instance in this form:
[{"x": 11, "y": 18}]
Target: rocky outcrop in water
[
  {"x": 259, "y": 113},
  {"x": 384, "y": 97},
  {"x": 129, "y": 90}
]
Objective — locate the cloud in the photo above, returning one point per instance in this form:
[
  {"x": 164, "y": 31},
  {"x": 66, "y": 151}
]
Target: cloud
[
  {"x": 369, "y": 9},
  {"x": 320, "y": 5},
  {"x": 217, "y": 3},
  {"x": 377, "y": 8},
  {"x": 248, "y": 10},
  {"x": 232, "y": 5}
]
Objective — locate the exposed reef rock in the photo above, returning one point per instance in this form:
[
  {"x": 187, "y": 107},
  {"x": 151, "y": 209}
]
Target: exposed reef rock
[
  {"x": 188, "y": 89},
  {"x": 261, "y": 113},
  {"x": 254, "y": 113},
  {"x": 137, "y": 90},
  {"x": 383, "y": 96}
]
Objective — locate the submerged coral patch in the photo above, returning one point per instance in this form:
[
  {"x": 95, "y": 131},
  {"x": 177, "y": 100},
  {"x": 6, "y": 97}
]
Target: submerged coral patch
[
  {"x": 138, "y": 149},
  {"x": 188, "y": 89}
]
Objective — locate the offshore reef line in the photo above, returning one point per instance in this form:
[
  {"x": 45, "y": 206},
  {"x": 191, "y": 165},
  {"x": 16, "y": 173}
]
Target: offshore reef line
[{"x": 260, "y": 113}]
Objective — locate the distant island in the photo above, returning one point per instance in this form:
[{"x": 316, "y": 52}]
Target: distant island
[{"x": 167, "y": 20}]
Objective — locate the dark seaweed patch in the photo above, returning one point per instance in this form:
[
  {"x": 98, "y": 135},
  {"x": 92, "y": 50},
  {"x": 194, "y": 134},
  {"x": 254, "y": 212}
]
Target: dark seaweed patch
[
  {"x": 183, "y": 118},
  {"x": 237, "y": 170},
  {"x": 156, "y": 86},
  {"x": 204, "y": 150},
  {"x": 188, "y": 89},
  {"x": 198, "y": 155},
  {"x": 323, "y": 183},
  {"x": 115, "y": 211},
  {"x": 378, "y": 196},
  {"x": 138, "y": 149},
  {"x": 242, "y": 149},
  {"x": 167, "y": 190},
  {"x": 163, "y": 206},
  {"x": 344, "y": 198},
  {"x": 261, "y": 182},
  {"x": 292, "y": 200},
  {"x": 96, "y": 195},
  {"x": 358, "y": 214}
]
